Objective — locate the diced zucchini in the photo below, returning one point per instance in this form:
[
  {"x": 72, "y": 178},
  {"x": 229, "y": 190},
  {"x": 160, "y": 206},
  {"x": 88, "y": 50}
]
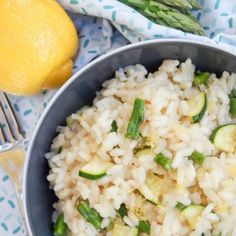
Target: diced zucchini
[
  {"x": 152, "y": 188},
  {"x": 144, "y": 151},
  {"x": 123, "y": 230},
  {"x": 118, "y": 221},
  {"x": 90, "y": 214},
  {"x": 148, "y": 141},
  {"x": 201, "y": 78},
  {"x": 60, "y": 226},
  {"x": 192, "y": 214},
  {"x": 95, "y": 169},
  {"x": 110, "y": 226},
  {"x": 165, "y": 162},
  {"x": 224, "y": 137},
  {"x": 197, "y": 107},
  {"x": 144, "y": 226}
]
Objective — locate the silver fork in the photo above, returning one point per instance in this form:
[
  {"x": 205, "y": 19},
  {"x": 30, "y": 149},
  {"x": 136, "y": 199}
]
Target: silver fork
[
  {"x": 10, "y": 131},
  {"x": 11, "y": 146}
]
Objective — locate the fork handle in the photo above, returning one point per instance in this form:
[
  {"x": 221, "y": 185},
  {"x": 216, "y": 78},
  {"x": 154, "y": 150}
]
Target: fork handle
[{"x": 19, "y": 198}]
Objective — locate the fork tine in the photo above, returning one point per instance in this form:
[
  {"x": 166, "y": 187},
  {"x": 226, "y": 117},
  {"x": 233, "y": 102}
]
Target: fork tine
[
  {"x": 8, "y": 133},
  {"x": 16, "y": 125},
  {"x": 2, "y": 138}
]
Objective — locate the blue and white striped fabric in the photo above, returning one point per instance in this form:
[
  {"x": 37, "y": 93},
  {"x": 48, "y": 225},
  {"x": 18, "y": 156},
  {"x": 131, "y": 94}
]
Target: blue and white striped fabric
[{"x": 97, "y": 36}]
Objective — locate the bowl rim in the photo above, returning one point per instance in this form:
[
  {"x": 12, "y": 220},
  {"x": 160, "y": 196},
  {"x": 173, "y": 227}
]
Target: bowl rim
[{"x": 75, "y": 76}]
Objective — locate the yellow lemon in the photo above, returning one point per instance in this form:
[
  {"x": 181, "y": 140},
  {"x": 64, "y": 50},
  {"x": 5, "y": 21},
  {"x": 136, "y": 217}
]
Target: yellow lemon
[{"x": 37, "y": 44}]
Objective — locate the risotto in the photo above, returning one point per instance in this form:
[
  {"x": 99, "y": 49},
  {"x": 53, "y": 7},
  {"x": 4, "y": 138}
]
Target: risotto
[{"x": 155, "y": 154}]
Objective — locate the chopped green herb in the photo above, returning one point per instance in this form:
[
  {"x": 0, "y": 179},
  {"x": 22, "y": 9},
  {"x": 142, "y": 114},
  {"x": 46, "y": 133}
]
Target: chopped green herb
[
  {"x": 180, "y": 206},
  {"x": 137, "y": 118},
  {"x": 90, "y": 214},
  {"x": 197, "y": 157},
  {"x": 114, "y": 126},
  {"x": 163, "y": 161},
  {"x": 60, "y": 226},
  {"x": 233, "y": 106},
  {"x": 122, "y": 210},
  {"x": 144, "y": 226},
  {"x": 59, "y": 150},
  {"x": 201, "y": 78}
]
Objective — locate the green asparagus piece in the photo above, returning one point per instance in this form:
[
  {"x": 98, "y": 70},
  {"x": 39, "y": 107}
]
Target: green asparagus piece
[
  {"x": 90, "y": 214},
  {"x": 201, "y": 78},
  {"x": 163, "y": 161},
  {"x": 114, "y": 126},
  {"x": 122, "y": 210},
  {"x": 233, "y": 106},
  {"x": 195, "y": 4},
  {"x": 60, "y": 226},
  {"x": 171, "y": 17},
  {"x": 197, "y": 157},
  {"x": 144, "y": 226},
  {"x": 181, "y": 4},
  {"x": 175, "y": 18},
  {"x": 137, "y": 118}
]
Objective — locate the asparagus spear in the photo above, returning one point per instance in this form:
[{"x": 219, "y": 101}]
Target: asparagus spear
[
  {"x": 90, "y": 214},
  {"x": 175, "y": 18},
  {"x": 152, "y": 16},
  {"x": 195, "y": 4},
  {"x": 182, "y": 4},
  {"x": 137, "y": 118},
  {"x": 170, "y": 16},
  {"x": 60, "y": 226}
]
